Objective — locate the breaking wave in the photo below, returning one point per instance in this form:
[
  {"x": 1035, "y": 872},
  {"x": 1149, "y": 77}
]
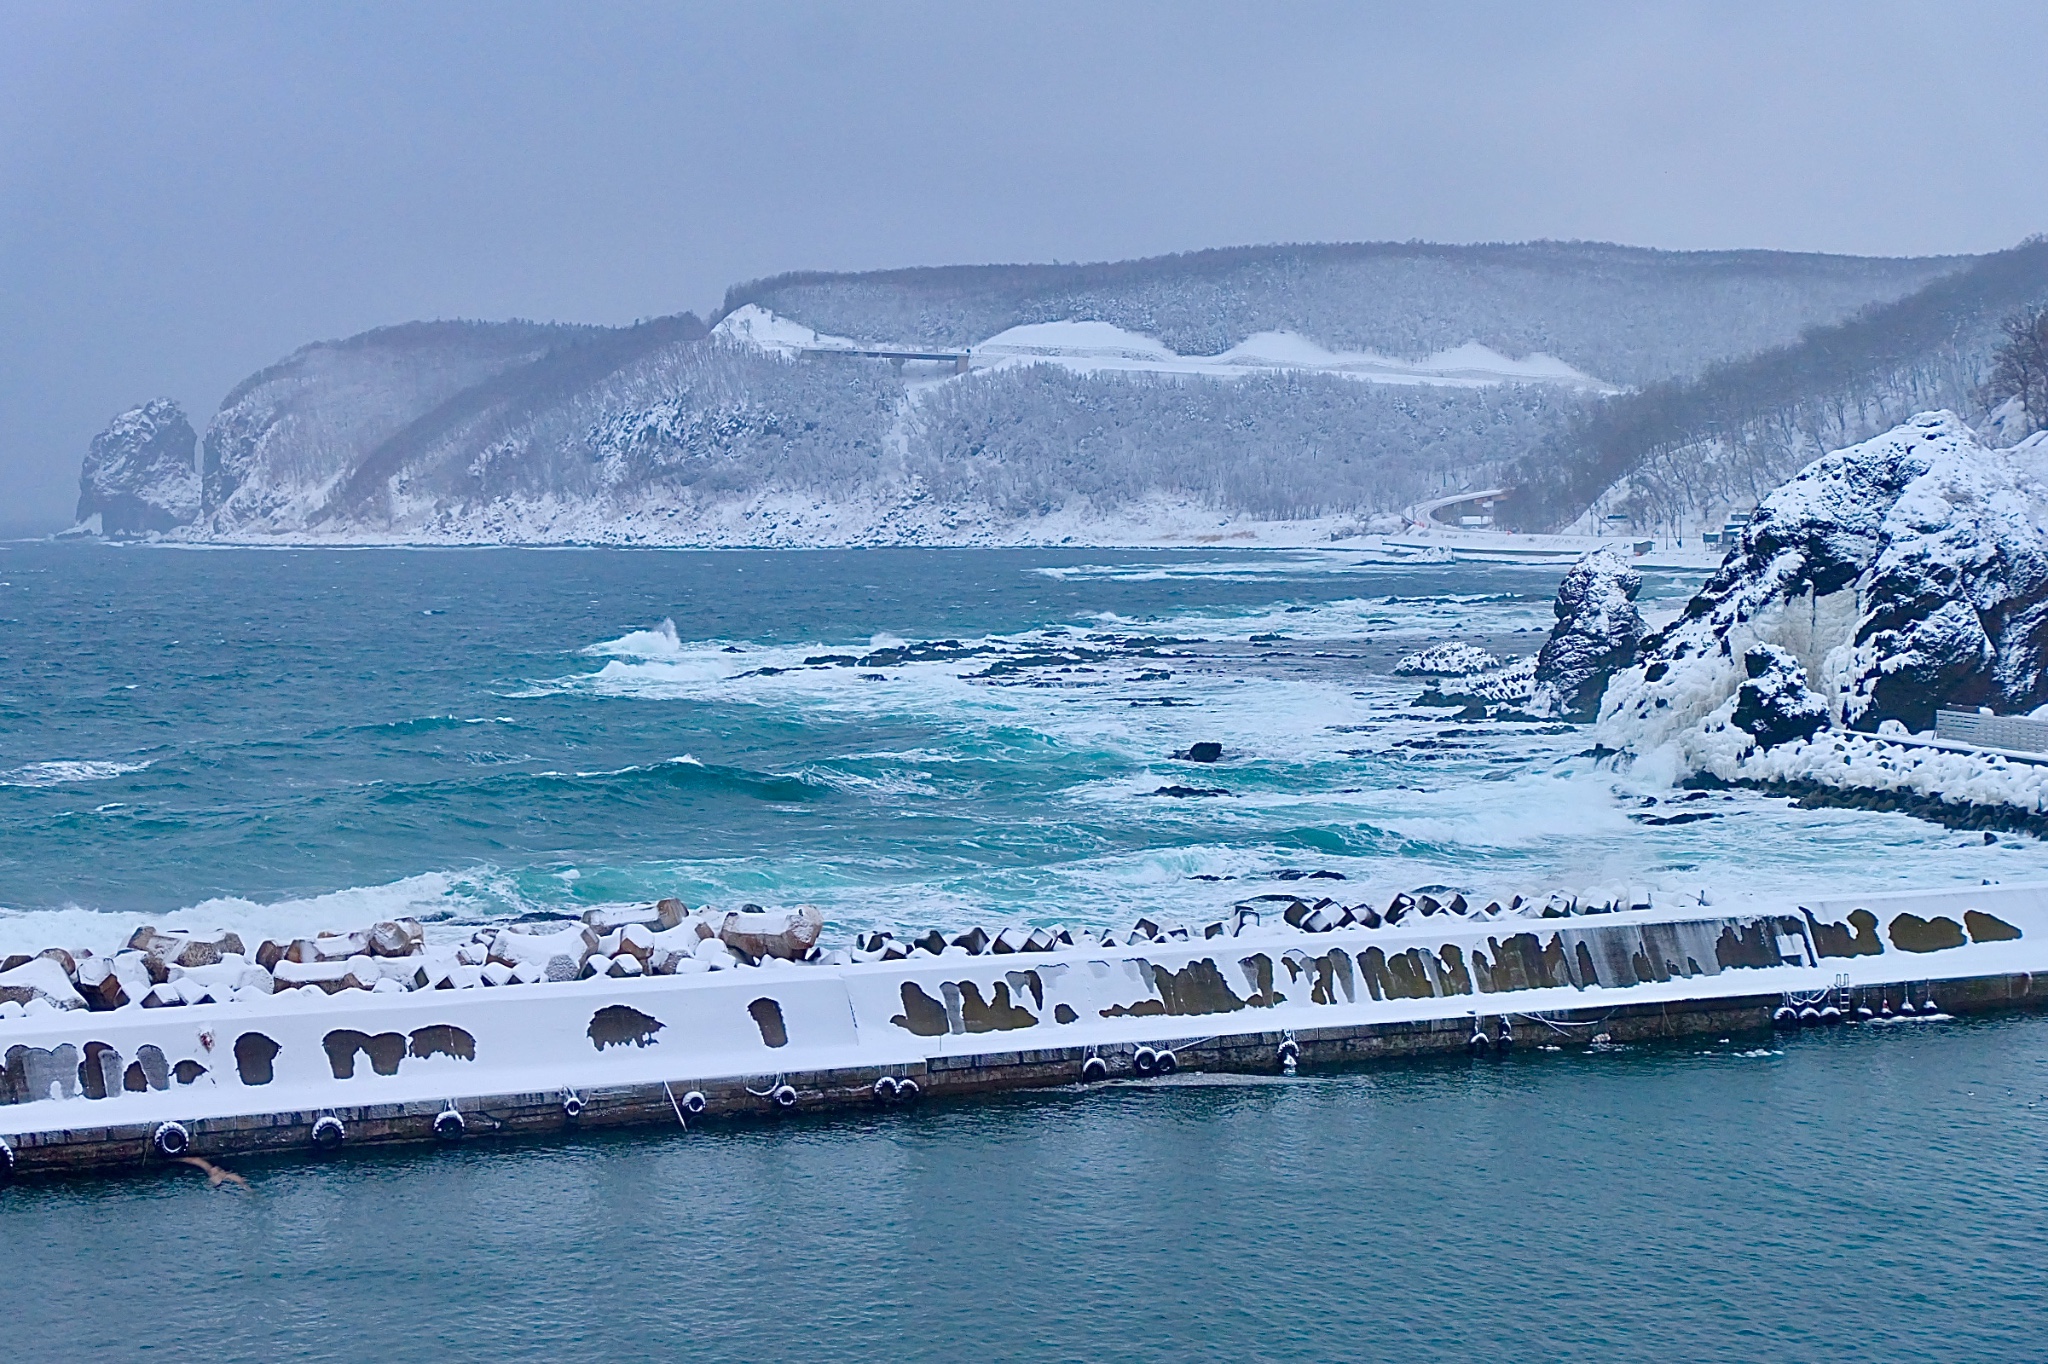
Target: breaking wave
[{"x": 66, "y": 773}]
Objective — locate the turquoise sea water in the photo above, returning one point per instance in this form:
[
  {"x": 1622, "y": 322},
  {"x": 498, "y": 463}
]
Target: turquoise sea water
[{"x": 290, "y": 740}]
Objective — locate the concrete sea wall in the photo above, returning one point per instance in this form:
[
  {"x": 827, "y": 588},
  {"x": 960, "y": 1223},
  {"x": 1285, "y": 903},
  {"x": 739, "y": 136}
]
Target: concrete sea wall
[{"x": 302, "y": 1070}]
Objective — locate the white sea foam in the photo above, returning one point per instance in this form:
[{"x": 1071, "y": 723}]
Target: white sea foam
[
  {"x": 659, "y": 642},
  {"x": 66, "y": 772},
  {"x": 475, "y": 895},
  {"x": 890, "y": 783},
  {"x": 1319, "y": 564},
  {"x": 1329, "y": 765}
]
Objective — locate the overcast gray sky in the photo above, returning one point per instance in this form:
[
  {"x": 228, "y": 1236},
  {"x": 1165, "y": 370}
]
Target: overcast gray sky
[{"x": 189, "y": 191}]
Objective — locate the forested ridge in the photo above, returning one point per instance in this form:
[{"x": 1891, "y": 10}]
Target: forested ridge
[{"x": 1673, "y": 453}]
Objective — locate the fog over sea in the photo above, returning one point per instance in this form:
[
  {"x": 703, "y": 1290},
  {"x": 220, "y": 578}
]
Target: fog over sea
[{"x": 287, "y": 740}]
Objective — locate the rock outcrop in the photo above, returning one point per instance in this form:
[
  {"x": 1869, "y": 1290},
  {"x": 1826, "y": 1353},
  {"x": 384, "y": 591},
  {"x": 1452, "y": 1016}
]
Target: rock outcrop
[
  {"x": 1597, "y": 631},
  {"x": 1774, "y": 705},
  {"x": 139, "y": 477},
  {"x": 1884, "y": 581}
]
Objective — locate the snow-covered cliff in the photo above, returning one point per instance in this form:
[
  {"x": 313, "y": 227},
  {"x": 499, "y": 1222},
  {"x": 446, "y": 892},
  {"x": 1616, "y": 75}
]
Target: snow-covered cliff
[
  {"x": 1597, "y": 631},
  {"x": 290, "y": 436},
  {"x": 139, "y": 477},
  {"x": 1886, "y": 580}
]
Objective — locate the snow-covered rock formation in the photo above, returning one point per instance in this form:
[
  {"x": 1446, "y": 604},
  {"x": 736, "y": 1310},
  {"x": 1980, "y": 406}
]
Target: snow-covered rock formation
[
  {"x": 1888, "y": 579},
  {"x": 1597, "y": 631},
  {"x": 139, "y": 477}
]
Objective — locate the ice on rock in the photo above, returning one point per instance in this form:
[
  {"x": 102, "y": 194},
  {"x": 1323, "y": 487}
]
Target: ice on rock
[
  {"x": 1774, "y": 704},
  {"x": 1883, "y": 582},
  {"x": 1456, "y": 659},
  {"x": 1598, "y": 629}
]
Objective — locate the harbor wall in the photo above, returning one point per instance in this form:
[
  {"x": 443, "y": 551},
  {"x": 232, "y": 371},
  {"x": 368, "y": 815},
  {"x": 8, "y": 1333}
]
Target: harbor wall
[{"x": 84, "y": 1090}]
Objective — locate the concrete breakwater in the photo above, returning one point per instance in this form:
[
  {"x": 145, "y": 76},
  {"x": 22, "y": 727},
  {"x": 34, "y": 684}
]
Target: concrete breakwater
[{"x": 304, "y": 1070}]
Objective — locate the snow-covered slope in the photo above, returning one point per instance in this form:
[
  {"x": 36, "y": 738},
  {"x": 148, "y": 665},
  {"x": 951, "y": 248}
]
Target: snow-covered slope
[
  {"x": 1676, "y": 459},
  {"x": 1099, "y": 347},
  {"x": 757, "y": 327},
  {"x": 1628, "y": 315},
  {"x": 1887, "y": 579},
  {"x": 1335, "y": 387},
  {"x": 288, "y": 436},
  {"x": 1090, "y": 347}
]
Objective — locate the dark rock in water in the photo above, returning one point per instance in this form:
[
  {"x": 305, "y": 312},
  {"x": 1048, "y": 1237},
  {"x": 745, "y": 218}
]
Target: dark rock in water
[
  {"x": 1185, "y": 791},
  {"x": 1204, "y": 752},
  {"x": 1774, "y": 704},
  {"x": 1598, "y": 630},
  {"x": 140, "y": 476}
]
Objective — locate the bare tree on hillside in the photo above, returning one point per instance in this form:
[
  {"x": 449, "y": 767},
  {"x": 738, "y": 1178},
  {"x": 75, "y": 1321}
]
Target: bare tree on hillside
[{"x": 2020, "y": 366}]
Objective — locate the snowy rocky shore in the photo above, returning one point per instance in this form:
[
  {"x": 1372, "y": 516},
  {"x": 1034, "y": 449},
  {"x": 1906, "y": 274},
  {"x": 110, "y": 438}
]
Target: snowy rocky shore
[
  {"x": 161, "y": 970},
  {"x": 1884, "y": 582},
  {"x": 157, "y": 969},
  {"x": 1598, "y": 631}
]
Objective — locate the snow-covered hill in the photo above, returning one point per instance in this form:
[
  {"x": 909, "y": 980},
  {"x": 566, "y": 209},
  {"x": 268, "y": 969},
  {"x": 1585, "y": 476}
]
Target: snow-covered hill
[
  {"x": 1676, "y": 459},
  {"x": 1628, "y": 315},
  {"x": 1342, "y": 385}
]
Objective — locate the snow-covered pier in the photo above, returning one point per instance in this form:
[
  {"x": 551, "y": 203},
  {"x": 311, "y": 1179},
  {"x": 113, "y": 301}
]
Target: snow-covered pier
[{"x": 314, "y": 1065}]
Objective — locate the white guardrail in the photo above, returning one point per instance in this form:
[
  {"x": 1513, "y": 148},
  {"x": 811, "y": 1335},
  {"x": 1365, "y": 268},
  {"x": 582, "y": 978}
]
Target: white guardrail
[{"x": 1981, "y": 730}]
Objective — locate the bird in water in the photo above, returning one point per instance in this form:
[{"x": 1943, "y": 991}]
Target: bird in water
[{"x": 215, "y": 1176}]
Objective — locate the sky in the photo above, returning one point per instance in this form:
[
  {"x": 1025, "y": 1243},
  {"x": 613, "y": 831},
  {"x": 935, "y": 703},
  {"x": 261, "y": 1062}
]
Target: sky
[{"x": 190, "y": 191}]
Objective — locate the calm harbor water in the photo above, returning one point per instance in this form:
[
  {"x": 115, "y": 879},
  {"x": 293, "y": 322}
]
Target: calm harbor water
[
  {"x": 1872, "y": 1193},
  {"x": 285, "y": 741}
]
